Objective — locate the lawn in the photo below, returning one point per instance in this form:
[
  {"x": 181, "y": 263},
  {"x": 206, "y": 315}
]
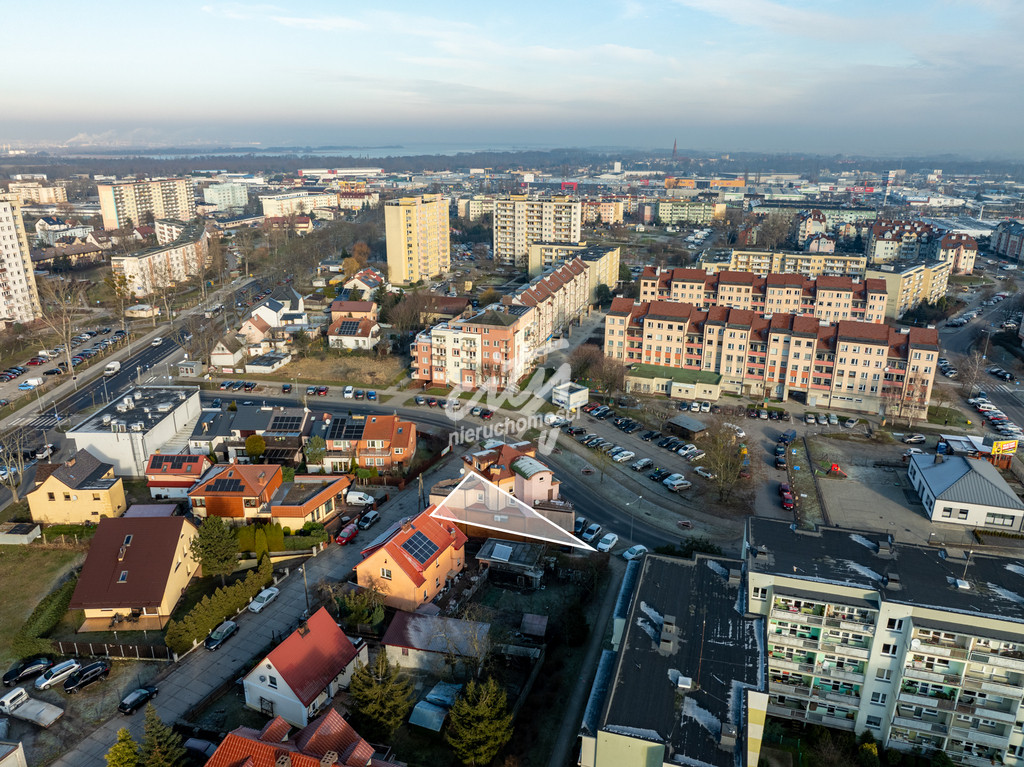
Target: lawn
[
  {"x": 364, "y": 372},
  {"x": 46, "y": 566},
  {"x": 947, "y": 416}
]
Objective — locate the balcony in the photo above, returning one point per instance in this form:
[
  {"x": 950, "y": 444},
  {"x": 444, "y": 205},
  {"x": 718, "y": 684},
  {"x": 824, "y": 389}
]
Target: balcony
[
  {"x": 996, "y": 686},
  {"x": 795, "y": 616},
  {"x": 913, "y": 699},
  {"x": 1003, "y": 714},
  {"x": 839, "y": 648},
  {"x": 942, "y": 650},
  {"x": 961, "y": 757},
  {"x": 981, "y": 737},
  {"x": 774, "y": 709},
  {"x": 920, "y": 725},
  {"x": 923, "y": 675},
  {"x": 790, "y": 665},
  {"x": 850, "y": 697},
  {"x": 793, "y": 641},
  {"x": 830, "y": 721},
  {"x": 838, "y": 673},
  {"x": 996, "y": 659},
  {"x": 781, "y": 688}
]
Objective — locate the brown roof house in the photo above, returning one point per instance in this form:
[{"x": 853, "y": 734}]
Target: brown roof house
[
  {"x": 83, "y": 489},
  {"x": 135, "y": 573}
]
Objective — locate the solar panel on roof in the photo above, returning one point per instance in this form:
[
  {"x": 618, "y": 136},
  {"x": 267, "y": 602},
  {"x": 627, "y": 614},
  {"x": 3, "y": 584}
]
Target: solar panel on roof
[
  {"x": 224, "y": 485},
  {"x": 420, "y": 547},
  {"x": 285, "y": 423},
  {"x": 348, "y": 327}
]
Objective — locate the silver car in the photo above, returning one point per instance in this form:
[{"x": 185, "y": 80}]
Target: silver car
[{"x": 57, "y": 674}]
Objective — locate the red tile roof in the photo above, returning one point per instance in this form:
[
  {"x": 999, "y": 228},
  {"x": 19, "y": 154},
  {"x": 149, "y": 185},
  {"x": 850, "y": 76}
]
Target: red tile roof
[
  {"x": 308, "y": 661},
  {"x": 440, "y": 532},
  {"x": 621, "y": 306}
]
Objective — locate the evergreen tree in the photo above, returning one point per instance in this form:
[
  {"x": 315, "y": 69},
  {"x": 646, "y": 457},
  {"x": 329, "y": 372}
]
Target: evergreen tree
[
  {"x": 255, "y": 446},
  {"x": 161, "y": 746},
  {"x": 125, "y": 752},
  {"x": 215, "y": 548},
  {"x": 480, "y": 723},
  {"x": 382, "y": 696}
]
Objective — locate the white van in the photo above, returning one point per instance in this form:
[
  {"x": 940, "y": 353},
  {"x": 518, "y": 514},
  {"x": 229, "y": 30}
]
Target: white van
[
  {"x": 985, "y": 407},
  {"x": 349, "y": 392}
]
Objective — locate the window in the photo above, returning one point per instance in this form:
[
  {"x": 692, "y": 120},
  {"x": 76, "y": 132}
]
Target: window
[
  {"x": 272, "y": 682},
  {"x": 883, "y": 674},
  {"x": 50, "y": 497},
  {"x": 385, "y": 573},
  {"x": 1000, "y": 520},
  {"x": 895, "y": 624},
  {"x": 67, "y": 496},
  {"x": 123, "y": 577},
  {"x": 947, "y": 511},
  {"x": 874, "y": 722},
  {"x": 962, "y": 514},
  {"x": 889, "y": 649},
  {"x": 405, "y": 651},
  {"x": 760, "y": 592},
  {"x": 96, "y": 496},
  {"x": 878, "y": 698}
]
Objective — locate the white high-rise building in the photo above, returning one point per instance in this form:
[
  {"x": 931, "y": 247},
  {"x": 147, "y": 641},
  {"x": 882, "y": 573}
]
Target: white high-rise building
[
  {"x": 226, "y": 196},
  {"x": 521, "y": 220},
  {"x": 19, "y": 299},
  {"x": 125, "y": 203}
]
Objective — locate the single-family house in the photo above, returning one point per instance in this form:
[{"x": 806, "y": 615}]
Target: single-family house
[
  {"x": 238, "y": 493},
  {"x": 327, "y": 741},
  {"x": 80, "y": 490},
  {"x": 367, "y": 280},
  {"x": 383, "y": 442},
  {"x": 412, "y": 565},
  {"x": 227, "y": 353},
  {"x": 135, "y": 572},
  {"x": 224, "y": 432},
  {"x": 301, "y": 676},
  {"x": 440, "y": 645},
  {"x": 354, "y": 334},
  {"x": 965, "y": 491},
  {"x": 354, "y": 310},
  {"x": 172, "y": 476},
  {"x": 309, "y": 498},
  {"x": 254, "y": 329}
]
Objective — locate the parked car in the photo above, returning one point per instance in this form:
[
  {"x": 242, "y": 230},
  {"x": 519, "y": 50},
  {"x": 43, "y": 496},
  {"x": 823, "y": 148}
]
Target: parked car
[
  {"x": 347, "y": 535},
  {"x": 607, "y": 543},
  {"x": 809, "y": 418},
  {"x": 368, "y": 520},
  {"x": 423, "y": 400},
  {"x": 579, "y": 526},
  {"x": 136, "y": 699},
  {"x": 822, "y": 419},
  {"x": 788, "y": 501},
  {"x": 591, "y": 533},
  {"x": 220, "y": 635},
  {"x": 634, "y": 552},
  {"x": 642, "y": 464},
  {"x": 914, "y": 439},
  {"x": 286, "y": 388},
  {"x": 57, "y": 673},
  {"x": 371, "y": 396},
  {"x": 263, "y": 599},
  {"x": 44, "y": 452},
  {"x": 780, "y": 462},
  {"x": 850, "y": 423},
  {"x": 659, "y": 474},
  {"x": 26, "y": 669},
  {"x": 87, "y": 675},
  {"x": 912, "y": 451},
  {"x": 706, "y": 473}
]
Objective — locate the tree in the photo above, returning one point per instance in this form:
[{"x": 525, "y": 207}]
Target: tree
[
  {"x": 480, "y": 723},
  {"x": 161, "y": 746},
  {"x": 315, "y": 450},
  {"x": 350, "y": 266},
  {"x": 582, "y": 359},
  {"x": 773, "y": 230},
  {"x": 361, "y": 253},
  {"x": 969, "y": 371},
  {"x": 381, "y": 695},
  {"x": 624, "y": 274},
  {"x": 609, "y": 375},
  {"x": 118, "y": 285},
  {"x": 124, "y": 752},
  {"x": 14, "y": 443},
  {"x": 62, "y": 302},
  {"x": 723, "y": 458},
  {"x": 255, "y": 446},
  {"x": 603, "y": 294},
  {"x": 215, "y": 548},
  {"x": 363, "y": 607},
  {"x": 480, "y": 252},
  {"x": 489, "y": 296}
]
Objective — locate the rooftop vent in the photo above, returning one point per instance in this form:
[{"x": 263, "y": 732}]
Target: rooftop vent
[
  {"x": 138, "y": 426},
  {"x": 892, "y": 581},
  {"x": 962, "y": 584},
  {"x": 164, "y": 407},
  {"x": 107, "y": 418}
]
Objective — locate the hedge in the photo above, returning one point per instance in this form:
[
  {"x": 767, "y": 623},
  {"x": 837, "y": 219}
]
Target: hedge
[
  {"x": 43, "y": 620},
  {"x": 260, "y": 538},
  {"x": 181, "y": 635}
]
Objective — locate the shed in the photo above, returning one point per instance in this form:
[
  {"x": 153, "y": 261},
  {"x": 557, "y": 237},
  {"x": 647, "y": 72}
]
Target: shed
[{"x": 685, "y": 426}]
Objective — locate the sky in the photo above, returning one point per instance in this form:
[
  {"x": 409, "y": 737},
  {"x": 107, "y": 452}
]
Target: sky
[{"x": 816, "y": 76}]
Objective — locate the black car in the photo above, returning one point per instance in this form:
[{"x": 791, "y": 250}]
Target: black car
[
  {"x": 659, "y": 474},
  {"x": 216, "y": 403},
  {"x": 220, "y": 635},
  {"x": 286, "y": 388},
  {"x": 86, "y": 675},
  {"x": 664, "y": 441},
  {"x": 26, "y": 669},
  {"x": 136, "y": 699},
  {"x": 579, "y": 526},
  {"x": 646, "y": 436}
]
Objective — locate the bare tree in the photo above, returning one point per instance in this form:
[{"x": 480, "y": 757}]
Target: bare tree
[
  {"x": 608, "y": 375},
  {"x": 118, "y": 285},
  {"x": 13, "y": 446},
  {"x": 63, "y": 302},
  {"x": 773, "y": 230},
  {"x": 723, "y": 457},
  {"x": 406, "y": 313},
  {"x": 204, "y": 336},
  {"x": 582, "y": 359},
  {"x": 162, "y": 281},
  {"x": 969, "y": 372}
]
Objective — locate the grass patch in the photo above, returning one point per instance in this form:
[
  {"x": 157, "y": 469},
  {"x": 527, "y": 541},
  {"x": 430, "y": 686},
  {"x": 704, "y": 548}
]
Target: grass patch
[
  {"x": 16, "y": 512},
  {"x": 947, "y": 416},
  {"x": 364, "y": 372},
  {"x": 45, "y": 565},
  {"x": 69, "y": 533}
]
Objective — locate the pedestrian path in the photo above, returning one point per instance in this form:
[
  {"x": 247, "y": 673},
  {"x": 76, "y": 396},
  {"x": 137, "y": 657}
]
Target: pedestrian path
[{"x": 36, "y": 422}]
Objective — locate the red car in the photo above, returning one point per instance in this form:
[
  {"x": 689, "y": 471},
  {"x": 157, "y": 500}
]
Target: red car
[
  {"x": 591, "y": 406},
  {"x": 322, "y": 391},
  {"x": 787, "y": 501},
  {"x": 784, "y": 489},
  {"x": 36, "y": 361},
  {"x": 347, "y": 535}
]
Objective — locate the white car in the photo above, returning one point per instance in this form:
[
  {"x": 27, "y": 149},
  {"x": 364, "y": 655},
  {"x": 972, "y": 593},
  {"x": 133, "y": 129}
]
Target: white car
[
  {"x": 634, "y": 552},
  {"x": 263, "y": 599},
  {"x": 705, "y": 407},
  {"x": 45, "y": 451},
  {"x": 706, "y": 473},
  {"x": 913, "y": 451},
  {"x": 349, "y": 392},
  {"x": 156, "y": 341},
  {"x": 739, "y": 432},
  {"x": 608, "y": 542},
  {"x": 676, "y": 482},
  {"x": 591, "y": 533}
]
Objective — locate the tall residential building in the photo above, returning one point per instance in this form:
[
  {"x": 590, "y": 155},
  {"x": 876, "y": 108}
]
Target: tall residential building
[
  {"x": 418, "y": 239},
  {"x": 922, "y": 646},
  {"x": 909, "y": 284},
  {"x": 124, "y": 202},
  {"x": 766, "y": 261},
  {"x": 959, "y": 248},
  {"x": 19, "y": 300},
  {"x": 862, "y": 366},
  {"x": 300, "y": 202},
  {"x": 690, "y": 211},
  {"x": 226, "y": 196},
  {"x": 37, "y": 194},
  {"x": 521, "y": 220}
]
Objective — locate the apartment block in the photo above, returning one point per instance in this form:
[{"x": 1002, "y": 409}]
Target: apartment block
[
  {"x": 861, "y": 366},
  {"x": 677, "y": 211},
  {"x": 154, "y": 268},
  {"x": 909, "y": 284},
  {"x": 476, "y": 207},
  {"x": 418, "y": 239},
  {"x": 960, "y": 249},
  {"x": 603, "y": 262},
  {"x": 828, "y": 298},
  {"x": 766, "y": 261},
  {"x": 560, "y": 298},
  {"x": 603, "y": 211},
  {"x": 897, "y": 240},
  {"x": 35, "y": 193},
  {"x": 521, "y": 220},
  {"x": 1008, "y": 239},
  {"x": 227, "y": 196},
  {"x": 297, "y": 202},
  {"x": 834, "y": 214},
  {"x": 19, "y": 299},
  {"x": 125, "y": 203},
  {"x": 919, "y": 645},
  {"x": 493, "y": 348}
]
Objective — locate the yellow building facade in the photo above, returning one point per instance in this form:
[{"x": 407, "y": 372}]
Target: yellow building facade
[
  {"x": 79, "y": 491},
  {"x": 418, "y": 242}
]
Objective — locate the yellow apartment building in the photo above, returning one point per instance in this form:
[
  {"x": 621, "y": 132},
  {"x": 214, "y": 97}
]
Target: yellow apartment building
[{"x": 418, "y": 242}]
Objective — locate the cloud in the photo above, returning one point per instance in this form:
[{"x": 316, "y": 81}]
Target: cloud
[
  {"x": 774, "y": 16},
  {"x": 318, "y": 23}
]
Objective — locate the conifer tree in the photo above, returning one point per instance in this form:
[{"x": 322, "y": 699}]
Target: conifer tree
[
  {"x": 215, "y": 548},
  {"x": 480, "y": 723},
  {"x": 161, "y": 746},
  {"x": 125, "y": 752},
  {"x": 382, "y": 696}
]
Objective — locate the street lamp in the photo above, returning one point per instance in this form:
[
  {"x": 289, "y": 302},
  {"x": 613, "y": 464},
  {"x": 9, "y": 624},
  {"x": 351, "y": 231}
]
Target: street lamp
[{"x": 632, "y": 516}]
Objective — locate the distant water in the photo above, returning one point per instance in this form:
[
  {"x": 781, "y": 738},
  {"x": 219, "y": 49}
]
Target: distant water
[{"x": 397, "y": 150}]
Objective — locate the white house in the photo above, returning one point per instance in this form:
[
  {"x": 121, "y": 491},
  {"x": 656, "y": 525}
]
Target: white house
[
  {"x": 436, "y": 644},
  {"x": 965, "y": 491},
  {"x": 227, "y": 354},
  {"x": 301, "y": 676}
]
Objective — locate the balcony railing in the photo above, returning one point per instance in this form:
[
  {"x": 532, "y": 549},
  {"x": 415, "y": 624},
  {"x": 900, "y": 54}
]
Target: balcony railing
[
  {"x": 912, "y": 698},
  {"x": 839, "y": 648},
  {"x": 996, "y": 659},
  {"x": 920, "y": 725},
  {"x": 789, "y": 689},
  {"x": 793, "y": 641},
  {"x": 838, "y": 673},
  {"x": 982, "y": 738},
  {"x": 992, "y": 685},
  {"x": 924, "y": 675},
  {"x": 1007, "y": 714},
  {"x": 795, "y": 616},
  {"x": 790, "y": 665},
  {"x": 942, "y": 650}
]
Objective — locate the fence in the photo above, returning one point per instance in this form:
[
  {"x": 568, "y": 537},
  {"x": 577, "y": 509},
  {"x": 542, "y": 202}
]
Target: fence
[{"x": 114, "y": 650}]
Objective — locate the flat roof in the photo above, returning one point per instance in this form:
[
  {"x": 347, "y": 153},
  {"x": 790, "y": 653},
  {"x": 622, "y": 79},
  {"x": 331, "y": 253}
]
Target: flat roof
[
  {"x": 684, "y": 686},
  {"x": 679, "y": 375},
  {"x": 148, "y": 405},
  {"x": 927, "y": 576}
]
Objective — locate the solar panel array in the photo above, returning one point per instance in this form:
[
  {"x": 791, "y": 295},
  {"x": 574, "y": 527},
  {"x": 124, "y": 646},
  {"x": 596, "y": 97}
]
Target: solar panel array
[
  {"x": 225, "y": 485},
  {"x": 286, "y": 423},
  {"x": 348, "y": 328},
  {"x": 173, "y": 462},
  {"x": 420, "y": 547}
]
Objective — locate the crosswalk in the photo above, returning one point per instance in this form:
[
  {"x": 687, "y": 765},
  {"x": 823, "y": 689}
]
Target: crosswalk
[{"x": 37, "y": 422}]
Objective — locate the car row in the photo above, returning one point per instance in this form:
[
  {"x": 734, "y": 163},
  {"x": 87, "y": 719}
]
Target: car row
[
  {"x": 765, "y": 414},
  {"x": 594, "y": 533},
  {"x": 237, "y": 385},
  {"x": 998, "y": 421},
  {"x": 999, "y": 373},
  {"x": 71, "y": 673}
]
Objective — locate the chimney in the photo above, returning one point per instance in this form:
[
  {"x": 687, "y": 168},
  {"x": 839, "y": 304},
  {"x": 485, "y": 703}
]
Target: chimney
[
  {"x": 406, "y": 525},
  {"x": 939, "y": 458},
  {"x": 284, "y": 760},
  {"x": 329, "y": 759},
  {"x": 303, "y": 629}
]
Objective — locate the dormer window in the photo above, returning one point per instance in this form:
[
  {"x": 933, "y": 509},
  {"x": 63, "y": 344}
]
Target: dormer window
[{"x": 123, "y": 577}]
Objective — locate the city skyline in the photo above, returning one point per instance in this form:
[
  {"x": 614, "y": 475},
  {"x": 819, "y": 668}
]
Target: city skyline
[{"x": 751, "y": 75}]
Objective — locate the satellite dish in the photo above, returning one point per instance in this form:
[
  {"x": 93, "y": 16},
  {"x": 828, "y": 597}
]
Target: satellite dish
[{"x": 915, "y": 644}]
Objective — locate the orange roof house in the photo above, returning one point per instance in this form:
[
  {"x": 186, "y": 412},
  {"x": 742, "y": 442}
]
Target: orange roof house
[
  {"x": 309, "y": 498},
  {"x": 236, "y": 492},
  {"x": 303, "y": 674},
  {"x": 171, "y": 476},
  {"x": 416, "y": 562},
  {"x": 328, "y": 741}
]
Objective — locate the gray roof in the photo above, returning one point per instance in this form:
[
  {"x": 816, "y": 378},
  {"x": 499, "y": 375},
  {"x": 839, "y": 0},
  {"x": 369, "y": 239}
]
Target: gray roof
[
  {"x": 965, "y": 480},
  {"x": 83, "y": 471},
  {"x": 688, "y": 423}
]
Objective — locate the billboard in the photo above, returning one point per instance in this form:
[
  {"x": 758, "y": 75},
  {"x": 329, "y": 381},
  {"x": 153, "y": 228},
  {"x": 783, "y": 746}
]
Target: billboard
[{"x": 1004, "y": 447}]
